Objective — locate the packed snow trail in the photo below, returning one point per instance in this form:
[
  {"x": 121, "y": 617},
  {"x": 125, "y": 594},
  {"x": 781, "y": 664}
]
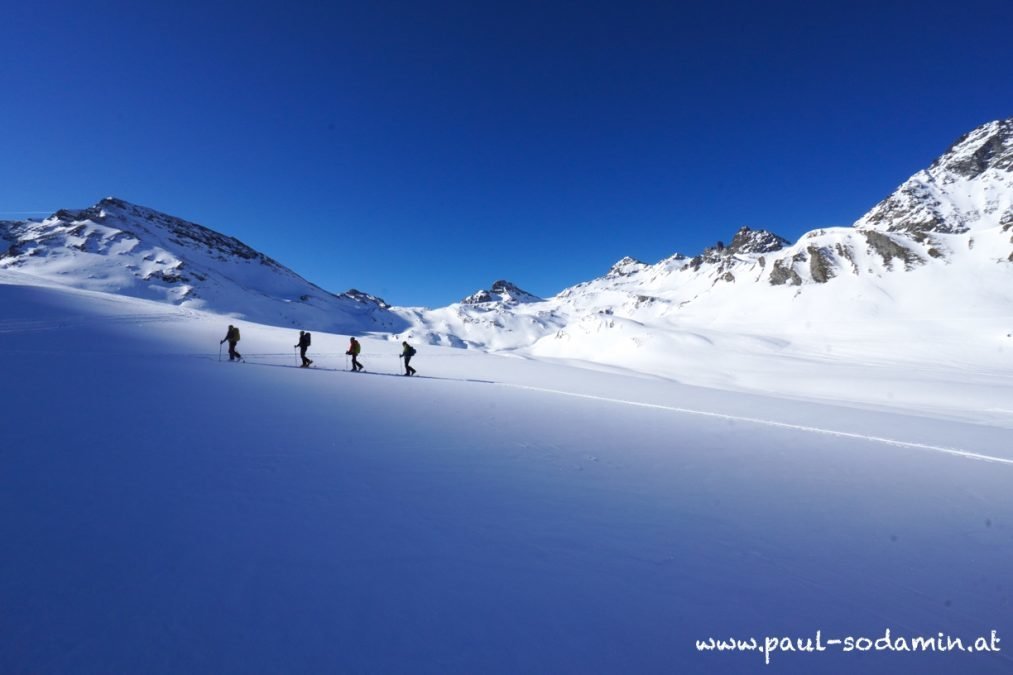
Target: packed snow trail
[
  {"x": 771, "y": 423},
  {"x": 162, "y": 513}
]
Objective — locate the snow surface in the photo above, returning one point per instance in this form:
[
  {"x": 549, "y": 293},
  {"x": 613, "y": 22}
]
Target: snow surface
[{"x": 164, "y": 512}]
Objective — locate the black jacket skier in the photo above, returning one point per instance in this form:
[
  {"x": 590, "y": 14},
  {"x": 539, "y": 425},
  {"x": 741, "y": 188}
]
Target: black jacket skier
[
  {"x": 354, "y": 349},
  {"x": 232, "y": 337},
  {"x": 304, "y": 343},
  {"x": 407, "y": 353}
]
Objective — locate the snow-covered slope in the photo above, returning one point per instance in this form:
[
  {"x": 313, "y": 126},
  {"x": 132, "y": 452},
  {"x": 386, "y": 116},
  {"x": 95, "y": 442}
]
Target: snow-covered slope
[
  {"x": 164, "y": 512},
  {"x": 925, "y": 278},
  {"x": 122, "y": 248}
]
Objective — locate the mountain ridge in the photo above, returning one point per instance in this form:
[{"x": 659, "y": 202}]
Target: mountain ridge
[
  {"x": 957, "y": 214},
  {"x": 119, "y": 247}
]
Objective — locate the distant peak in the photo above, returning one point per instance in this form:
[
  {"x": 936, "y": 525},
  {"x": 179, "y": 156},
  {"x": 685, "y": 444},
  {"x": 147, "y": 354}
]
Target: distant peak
[
  {"x": 626, "y": 267},
  {"x": 97, "y": 211},
  {"x": 114, "y": 201},
  {"x": 501, "y": 291},
  {"x": 123, "y": 206},
  {"x": 503, "y": 286},
  {"x": 747, "y": 240}
]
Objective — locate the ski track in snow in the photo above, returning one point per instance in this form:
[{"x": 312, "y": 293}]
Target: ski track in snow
[
  {"x": 801, "y": 428},
  {"x": 967, "y": 454}
]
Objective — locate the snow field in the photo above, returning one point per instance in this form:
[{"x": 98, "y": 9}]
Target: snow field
[{"x": 164, "y": 512}]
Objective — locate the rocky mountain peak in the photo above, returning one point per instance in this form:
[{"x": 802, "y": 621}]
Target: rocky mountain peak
[
  {"x": 626, "y": 267},
  {"x": 118, "y": 247},
  {"x": 948, "y": 197},
  {"x": 990, "y": 146},
  {"x": 126, "y": 216},
  {"x": 745, "y": 242},
  {"x": 501, "y": 291},
  {"x": 99, "y": 211},
  {"x": 748, "y": 241}
]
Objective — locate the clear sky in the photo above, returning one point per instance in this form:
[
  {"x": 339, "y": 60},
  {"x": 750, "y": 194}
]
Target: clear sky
[{"x": 421, "y": 150}]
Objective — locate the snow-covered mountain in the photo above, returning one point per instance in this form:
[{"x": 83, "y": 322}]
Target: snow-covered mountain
[
  {"x": 934, "y": 258},
  {"x": 118, "y": 247},
  {"x": 501, "y": 317}
]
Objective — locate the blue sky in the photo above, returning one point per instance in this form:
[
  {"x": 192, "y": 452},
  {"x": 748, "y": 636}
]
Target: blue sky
[{"x": 419, "y": 151}]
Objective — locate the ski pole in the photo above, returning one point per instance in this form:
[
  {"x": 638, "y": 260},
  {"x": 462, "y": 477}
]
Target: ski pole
[
  {"x": 295, "y": 355},
  {"x": 219, "y": 351}
]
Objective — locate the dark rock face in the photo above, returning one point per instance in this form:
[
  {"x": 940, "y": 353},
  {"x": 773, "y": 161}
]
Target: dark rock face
[
  {"x": 783, "y": 273},
  {"x": 8, "y": 239},
  {"x": 821, "y": 264},
  {"x": 1006, "y": 222},
  {"x": 845, "y": 253},
  {"x": 502, "y": 286},
  {"x": 888, "y": 249},
  {"x": 167, "y": 277},
  {"x": 995, "y": 152}
]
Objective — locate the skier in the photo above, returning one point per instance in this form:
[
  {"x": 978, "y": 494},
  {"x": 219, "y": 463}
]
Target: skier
[
  {"x": 232, "y": 336},
  {"x": 354, "y": 348},
  {"x": 407, "y": 353},
  {"x": 304, "y": 343}
]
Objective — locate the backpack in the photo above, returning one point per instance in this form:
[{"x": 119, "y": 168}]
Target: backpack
[
  {"x": 235, "y": 334},
  {"x": 411, "y": 350},
  {"x": 307, "y": 339}
]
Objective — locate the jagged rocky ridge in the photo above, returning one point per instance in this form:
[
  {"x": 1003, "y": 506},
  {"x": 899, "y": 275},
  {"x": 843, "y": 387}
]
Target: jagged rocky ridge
[
  {"x": 968, "y": 189},
  {"x": 953, "y": 217}
]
